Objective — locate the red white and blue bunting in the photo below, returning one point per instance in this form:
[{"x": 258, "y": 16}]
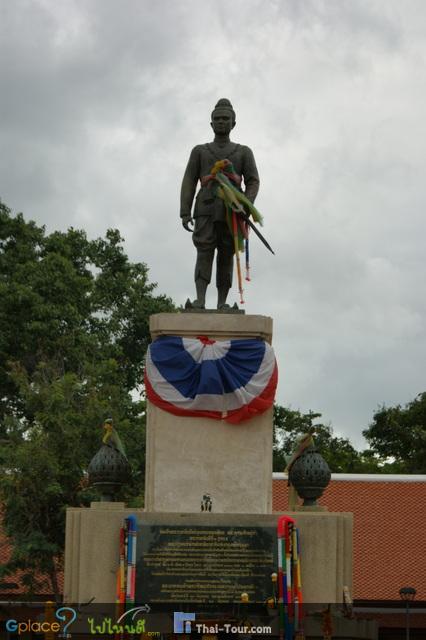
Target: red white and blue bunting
[{"x": 231, "y": 380}]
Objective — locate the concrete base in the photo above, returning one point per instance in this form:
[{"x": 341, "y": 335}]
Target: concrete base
[
  {"x": 91, "y": 551},
  {"x": 189, "y": 457},
  {"x": 92, "y": 547},
  {"x": 219, "y": 326}
]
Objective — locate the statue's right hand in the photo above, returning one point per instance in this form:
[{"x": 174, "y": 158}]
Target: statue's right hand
[{"x": 186, "y": 222}]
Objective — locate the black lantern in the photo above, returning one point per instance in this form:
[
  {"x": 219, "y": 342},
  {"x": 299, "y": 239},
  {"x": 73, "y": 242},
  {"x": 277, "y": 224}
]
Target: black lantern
[
  {"x": 309, "y": 475},
  {"x": 108, "y": 471}
]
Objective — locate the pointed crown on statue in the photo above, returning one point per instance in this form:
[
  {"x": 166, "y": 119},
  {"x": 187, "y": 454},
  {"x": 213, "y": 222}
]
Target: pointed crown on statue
[{"x": 224, "y": 106}]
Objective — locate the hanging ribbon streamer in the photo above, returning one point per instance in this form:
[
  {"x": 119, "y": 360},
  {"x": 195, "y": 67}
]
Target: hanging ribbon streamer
[
  {"x": 131, "y": 561},
  {"x": 237, "y": 256},
  {"x": 121, "y": 578},
  {"x": 225, "y": 182},
  {"x": 289, "y": 580},
  {"x": 247, "y": 248},
  {"x": 126, "y": 571}
]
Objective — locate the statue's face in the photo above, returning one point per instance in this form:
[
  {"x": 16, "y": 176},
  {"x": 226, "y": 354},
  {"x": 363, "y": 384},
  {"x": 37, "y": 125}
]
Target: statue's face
[{"x": 222, "y": 123}]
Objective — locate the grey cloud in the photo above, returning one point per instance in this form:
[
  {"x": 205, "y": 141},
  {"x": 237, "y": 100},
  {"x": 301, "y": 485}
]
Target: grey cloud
[{"x": 102, "y": 102}]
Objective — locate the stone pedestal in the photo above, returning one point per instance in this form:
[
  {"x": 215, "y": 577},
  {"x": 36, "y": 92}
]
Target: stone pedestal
[
  {"x": 92, "y": 548},
  {"x": 189, "y": 457},
  {"x": 92, "y": 551}
]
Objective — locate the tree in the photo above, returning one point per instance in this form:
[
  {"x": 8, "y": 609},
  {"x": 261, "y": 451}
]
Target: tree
[
  {"x": 341, "y": 456},
  {"x": 400, "y": 433},
  {"x": 73, "y": 334}
]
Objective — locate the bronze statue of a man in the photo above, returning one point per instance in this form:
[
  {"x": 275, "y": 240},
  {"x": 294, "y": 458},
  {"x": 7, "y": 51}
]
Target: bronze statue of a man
[{"x": 211, "y": 231}]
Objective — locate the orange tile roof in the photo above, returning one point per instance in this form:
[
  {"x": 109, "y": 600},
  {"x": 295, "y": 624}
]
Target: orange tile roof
[{"x": 389, "y": 532}]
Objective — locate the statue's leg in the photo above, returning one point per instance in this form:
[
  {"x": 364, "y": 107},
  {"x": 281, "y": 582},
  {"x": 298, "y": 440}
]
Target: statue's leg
[
  {"x": 224, "y": 263},
  {"x": 203, "y": 274},
  {"x": 205, "y": 241}
]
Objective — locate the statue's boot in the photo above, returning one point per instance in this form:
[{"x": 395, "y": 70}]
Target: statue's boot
[
  {"x": 192, "y": 304},
  {"x": 222, "y": 294},
  {"x": 201, "y": 288}
]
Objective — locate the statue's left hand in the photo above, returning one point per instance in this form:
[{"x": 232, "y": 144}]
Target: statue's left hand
[{"x": 186, "y": 222}]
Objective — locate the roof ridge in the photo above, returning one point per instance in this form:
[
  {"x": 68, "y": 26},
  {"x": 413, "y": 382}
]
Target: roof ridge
[{"x": 365, "y": 477}]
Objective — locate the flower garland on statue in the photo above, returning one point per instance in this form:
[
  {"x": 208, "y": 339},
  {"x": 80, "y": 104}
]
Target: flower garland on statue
[{"x": 238, "y": 210}]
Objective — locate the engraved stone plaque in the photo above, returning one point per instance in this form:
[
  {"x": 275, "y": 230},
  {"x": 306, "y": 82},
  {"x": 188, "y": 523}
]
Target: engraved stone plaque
[{"x": 209, "y": 564}]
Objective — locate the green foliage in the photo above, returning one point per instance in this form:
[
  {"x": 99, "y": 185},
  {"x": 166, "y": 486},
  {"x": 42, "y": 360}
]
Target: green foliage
[
  {"x": 341, "y": 456},
  {"x": 400, "y": 433},
  {"x": 73, "y": 334}
]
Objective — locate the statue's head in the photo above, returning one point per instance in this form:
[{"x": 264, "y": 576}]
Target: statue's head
[{"x": 223, "y": 117}]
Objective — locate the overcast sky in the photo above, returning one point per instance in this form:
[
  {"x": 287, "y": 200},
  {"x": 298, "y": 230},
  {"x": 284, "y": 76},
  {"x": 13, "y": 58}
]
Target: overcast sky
[{"x": 102, "y": 101}]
